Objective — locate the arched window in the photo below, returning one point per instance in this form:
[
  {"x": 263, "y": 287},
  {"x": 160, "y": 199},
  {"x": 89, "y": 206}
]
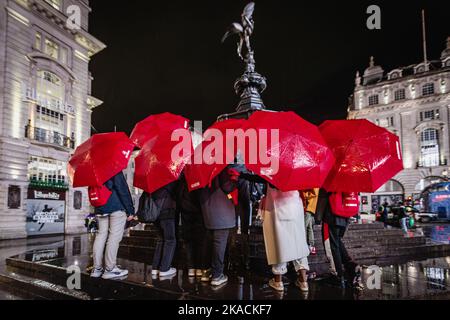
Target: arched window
[
  {"x": 50, "y": 90},
  {"x": 429, "y": 146},
  {"x": 392, "y": 187}
]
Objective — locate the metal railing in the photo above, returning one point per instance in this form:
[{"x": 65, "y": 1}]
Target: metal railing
[{"x": 50, "y": 137}]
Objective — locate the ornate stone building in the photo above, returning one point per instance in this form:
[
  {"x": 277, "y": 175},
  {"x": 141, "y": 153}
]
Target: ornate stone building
[
  {"x": 414, "y": 103},
  {"x": 45, "y": 113}
]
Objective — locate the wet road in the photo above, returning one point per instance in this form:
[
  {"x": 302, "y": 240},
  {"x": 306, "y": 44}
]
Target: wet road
[{"x": 429, "y": 279}]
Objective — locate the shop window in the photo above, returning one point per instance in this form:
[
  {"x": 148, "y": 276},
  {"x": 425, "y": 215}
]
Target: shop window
[{"x": 47, "y": 170}]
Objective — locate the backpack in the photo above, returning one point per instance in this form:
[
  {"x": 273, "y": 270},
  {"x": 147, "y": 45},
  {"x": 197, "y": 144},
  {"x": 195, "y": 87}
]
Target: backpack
[
  {"x": 99, "y": 195},
  {"x": 345, "y": 205},
  {"x": 148, "y": 210}
]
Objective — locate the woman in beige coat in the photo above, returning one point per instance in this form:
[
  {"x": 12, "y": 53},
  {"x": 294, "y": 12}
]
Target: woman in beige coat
[{"x": 284, "y": 236}]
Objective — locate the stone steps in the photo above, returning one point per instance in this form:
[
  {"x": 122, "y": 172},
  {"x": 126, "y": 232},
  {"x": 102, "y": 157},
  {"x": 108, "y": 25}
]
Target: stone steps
[
  {"x": 35, "y": 289},
  {"x": 365, "y": 242},
  {"x": 49, "y": 282}
]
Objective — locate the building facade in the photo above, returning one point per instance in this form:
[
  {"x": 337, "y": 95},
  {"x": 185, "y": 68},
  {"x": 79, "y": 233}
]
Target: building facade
[
  {"x": 414, "y": 103},
  {"x": 45, "y": 113}
]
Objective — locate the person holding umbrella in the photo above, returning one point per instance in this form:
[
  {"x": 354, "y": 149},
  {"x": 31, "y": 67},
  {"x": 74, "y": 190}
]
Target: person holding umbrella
[
  {"x": 165, "y": 198},
  {"x": 358, "y": 168},
  {"x": 340, "y": 207},
  {"x": 112, "y": 218},
  {"x": 98, "y": 164},
  {"x": 219, "y": 215}
]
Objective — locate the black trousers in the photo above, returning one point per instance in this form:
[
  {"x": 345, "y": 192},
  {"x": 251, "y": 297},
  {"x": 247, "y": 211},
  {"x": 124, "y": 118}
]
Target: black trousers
[
  {"x": 218, "y": 246},
  {"x": 194, "y": 236},
  {"x": 341, "y": 257},
  {"x": 165, "y": 246}
]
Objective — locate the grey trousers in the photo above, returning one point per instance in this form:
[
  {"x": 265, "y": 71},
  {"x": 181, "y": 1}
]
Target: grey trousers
[
  {"x": 309, "y": 226},
  {"x": 107, "y": 240}
]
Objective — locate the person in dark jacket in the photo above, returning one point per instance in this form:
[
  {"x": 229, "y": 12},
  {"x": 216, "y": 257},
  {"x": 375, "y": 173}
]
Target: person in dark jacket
[
  {"x": 165, "y": 199},
  {"x": 337, "y": 227},
  {"x": 112, "y": 218},
  {"x": 219, "y": 216},
  {"x": 193, "y": 231}
]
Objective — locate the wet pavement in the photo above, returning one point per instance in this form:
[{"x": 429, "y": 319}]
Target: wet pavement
[{"x": 428, "y": 279}]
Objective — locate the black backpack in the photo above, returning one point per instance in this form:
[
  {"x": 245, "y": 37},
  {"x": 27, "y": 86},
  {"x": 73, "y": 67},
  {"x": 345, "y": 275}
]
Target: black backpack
[{"x": 148, "y": 210}]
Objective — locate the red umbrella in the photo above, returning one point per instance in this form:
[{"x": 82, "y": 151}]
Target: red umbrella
[
  {"x": 160, "y": 162},
  {"x": 99, "y": 159},
  {"x": 151, "y": 126},
  {"x": 299, "y": 158},
  {"x": 213, "y": 155},
  {"x": 367, "y": 156}
]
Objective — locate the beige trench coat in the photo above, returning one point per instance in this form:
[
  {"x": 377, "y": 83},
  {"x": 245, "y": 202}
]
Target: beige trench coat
[{"x": 284, "y": 226}]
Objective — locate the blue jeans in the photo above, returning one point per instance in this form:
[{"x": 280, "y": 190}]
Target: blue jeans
[
  {"x": 165, "y": 246},
  {"x": 404, "y": 224}
]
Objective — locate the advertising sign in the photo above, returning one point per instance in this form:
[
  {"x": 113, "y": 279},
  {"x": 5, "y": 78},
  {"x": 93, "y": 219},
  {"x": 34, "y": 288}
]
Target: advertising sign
[{"x": 45, "y": 212}]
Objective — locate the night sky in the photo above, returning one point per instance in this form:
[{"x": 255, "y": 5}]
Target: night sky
[{"x": 168, "y": 56}]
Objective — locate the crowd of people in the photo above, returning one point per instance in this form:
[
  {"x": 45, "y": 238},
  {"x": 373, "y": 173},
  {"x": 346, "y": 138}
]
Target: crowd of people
[{"x": 208, "y": 217}]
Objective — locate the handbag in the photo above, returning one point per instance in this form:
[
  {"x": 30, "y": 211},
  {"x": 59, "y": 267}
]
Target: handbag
[{"x": 148, "y": 210}]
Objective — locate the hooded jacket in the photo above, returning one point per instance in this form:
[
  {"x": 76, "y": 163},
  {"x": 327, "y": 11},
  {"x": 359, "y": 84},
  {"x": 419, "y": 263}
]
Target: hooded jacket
[{"x": 120, "y": 199}]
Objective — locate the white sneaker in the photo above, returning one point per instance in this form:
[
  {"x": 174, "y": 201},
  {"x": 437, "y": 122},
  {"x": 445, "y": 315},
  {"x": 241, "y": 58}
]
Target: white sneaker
[
  {"x": 96, "y": 273},
  {"x": 219, "y": 281},
  {"x": 191, "y": 273},
  {"x": 115, "y": 273},
  {"x": 170, "y": 272},
  {"x": 155, "y": 272}
]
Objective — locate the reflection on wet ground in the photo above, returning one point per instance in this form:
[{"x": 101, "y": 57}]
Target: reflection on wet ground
[
  {"x": 414, "y": 280},
  {"x": 429, "y": 279},
  {"x": 437, "y": 232}
]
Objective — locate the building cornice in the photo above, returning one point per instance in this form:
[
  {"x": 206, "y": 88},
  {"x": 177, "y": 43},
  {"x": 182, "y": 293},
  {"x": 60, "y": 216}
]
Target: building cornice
[
  {"x": 443, "y": 97},
  {"x": 445, "y": 70},
  {"x": 81, "y": 36}
]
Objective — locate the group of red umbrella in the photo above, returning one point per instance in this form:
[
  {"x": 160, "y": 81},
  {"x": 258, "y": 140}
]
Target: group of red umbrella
[{"x": 340, "y": 156}]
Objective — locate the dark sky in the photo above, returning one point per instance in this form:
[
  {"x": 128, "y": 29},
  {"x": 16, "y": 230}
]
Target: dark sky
[{"x": 168, "y": 56}]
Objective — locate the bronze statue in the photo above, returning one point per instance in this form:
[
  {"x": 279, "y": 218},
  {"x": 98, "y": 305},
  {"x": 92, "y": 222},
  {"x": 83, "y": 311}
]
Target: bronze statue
[{"x": 244, "y": 30}]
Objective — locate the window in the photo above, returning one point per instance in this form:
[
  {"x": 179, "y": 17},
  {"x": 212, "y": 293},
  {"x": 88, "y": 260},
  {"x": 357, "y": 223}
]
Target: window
[
  {"x": 429, "y": 115},
  {"x": 373, "y": 100},
  {"x": 47, "y": 170},
  {"x": 54, "y": 3},
  {"x": 385, "y": 123},
  {"x": 50, "y": 91},
  {"x": 400, "y": 95},
  {"x": 429, "y": 143},
  {"x": 428, "y": 89},
  {"x": 52, "y": 49},
  {"x": 64, "y": 56},
  {"x": 38, "y": 41}
]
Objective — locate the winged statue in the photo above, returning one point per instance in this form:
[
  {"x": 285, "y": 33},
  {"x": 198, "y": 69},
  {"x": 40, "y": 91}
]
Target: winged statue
[{"x": 243, "y": 29}]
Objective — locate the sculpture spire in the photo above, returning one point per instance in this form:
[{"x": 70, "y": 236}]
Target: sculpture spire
[{"x": 251, "y": 84}]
